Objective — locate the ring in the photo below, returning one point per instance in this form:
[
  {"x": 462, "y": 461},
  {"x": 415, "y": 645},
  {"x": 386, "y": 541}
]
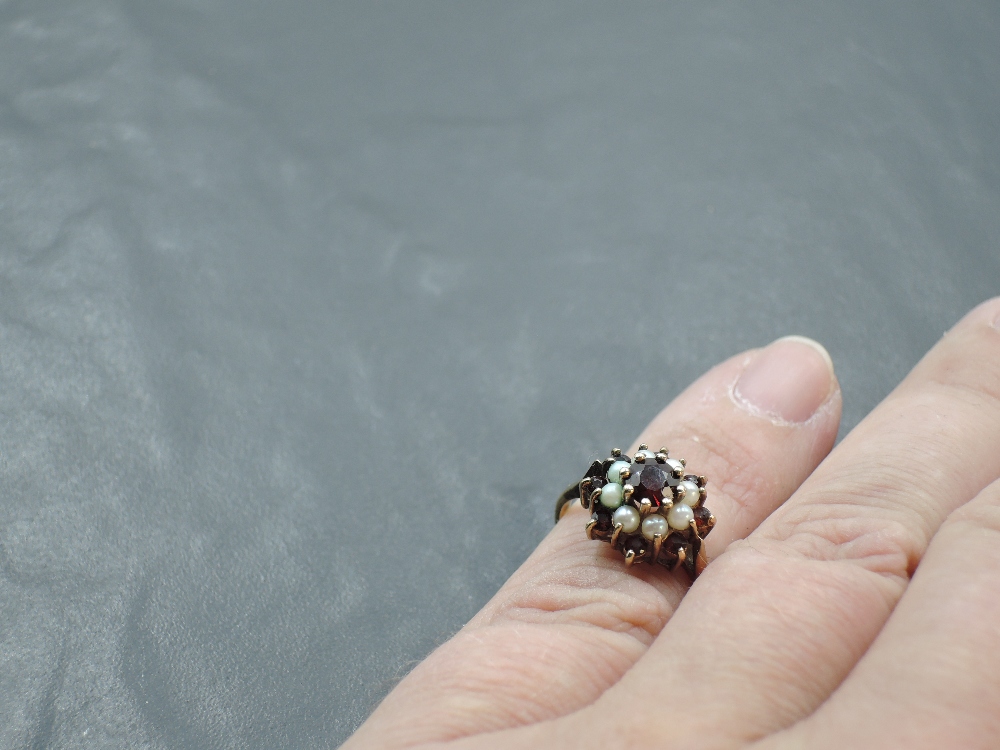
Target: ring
[{"x": 646, "y": 507}]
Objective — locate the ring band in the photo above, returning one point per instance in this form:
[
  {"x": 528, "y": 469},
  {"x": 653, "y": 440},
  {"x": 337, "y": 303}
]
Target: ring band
[{"x": 646, "y": 507}]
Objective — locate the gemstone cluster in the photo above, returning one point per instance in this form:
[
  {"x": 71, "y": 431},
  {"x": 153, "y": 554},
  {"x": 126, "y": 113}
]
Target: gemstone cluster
[{"x": 648, "y": 508}]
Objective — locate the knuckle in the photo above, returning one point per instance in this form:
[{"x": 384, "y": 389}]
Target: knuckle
[
  {"x": 880, "y": 545},
  {"x": 594, "y": 593},
  {"x": 981, "y": 514},
  {"x": 968, "y": 360},
  {"x": 879, "y": 510},
  {"x": 883, "y": 539}
]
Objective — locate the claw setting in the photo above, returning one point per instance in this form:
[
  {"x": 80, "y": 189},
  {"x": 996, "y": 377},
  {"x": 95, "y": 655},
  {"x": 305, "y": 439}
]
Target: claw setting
[{"x": 648, "y": 508}]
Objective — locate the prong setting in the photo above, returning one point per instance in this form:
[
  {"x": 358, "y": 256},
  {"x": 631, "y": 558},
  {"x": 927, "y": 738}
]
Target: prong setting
[
  {"x": 615, "y": 534},
  {"x": 647, "y": 508}
]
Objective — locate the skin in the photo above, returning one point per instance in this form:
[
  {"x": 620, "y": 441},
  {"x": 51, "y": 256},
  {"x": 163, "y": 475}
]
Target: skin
[{"x": 852, "y": 598}]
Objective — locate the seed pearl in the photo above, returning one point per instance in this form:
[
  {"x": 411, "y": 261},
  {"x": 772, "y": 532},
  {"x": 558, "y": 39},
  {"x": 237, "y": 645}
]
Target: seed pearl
[
  {"x": 615, "y": 471},
  {"x": 611, "y": 495},
  {"x": 689, "y": 492},
  {"x": 653, "y": 525},
  {"x": 680, "y": 516},
  {"x": 647, "y": 456},
  {"x": 628, "y": 517}
]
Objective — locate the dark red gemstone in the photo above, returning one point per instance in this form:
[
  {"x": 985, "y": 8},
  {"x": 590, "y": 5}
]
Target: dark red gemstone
[
  {"x": 701, "y": 516},
  {"x": 636, "y": 543},
  {"x": 596, "y": 470},
  {"x": 675, "y": 543},
  {"x": 669, "y": 551},
  {"x": 648, "y": 480},
  {"x": 596, "y": 475},
  {"x": 691, "y": 561},
  {"x": 603, "y": 519}
]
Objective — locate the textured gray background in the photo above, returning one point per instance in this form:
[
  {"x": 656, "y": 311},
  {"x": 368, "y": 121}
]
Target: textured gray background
[{"x": 309, "y": 309}]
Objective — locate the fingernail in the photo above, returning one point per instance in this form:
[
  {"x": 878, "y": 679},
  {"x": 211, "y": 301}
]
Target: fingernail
[{"x": 788, "y": 381}]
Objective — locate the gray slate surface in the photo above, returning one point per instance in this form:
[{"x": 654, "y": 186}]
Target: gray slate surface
[{"x": 308, "y": 310}]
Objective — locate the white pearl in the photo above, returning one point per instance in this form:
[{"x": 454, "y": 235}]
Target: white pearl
[
  {"x": 653, "y": 525},
  {"x": 628, "y": 517},
  {"x": 680, "y": 516},
  {"x": 674, "y": 466},
  {"x": 611, "y": 495},
  {"x": 615, "y": 471},
  {"x": 689, "y": 493},
  {"x": 648, "y": 456}
]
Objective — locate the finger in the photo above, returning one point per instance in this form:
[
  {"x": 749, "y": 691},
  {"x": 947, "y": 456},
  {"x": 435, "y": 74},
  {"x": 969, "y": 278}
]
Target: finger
[
  {"x": 776, "y": 622},
  {"x": 781, "y": 405},
  {"x": 932, "y": 677},
  {"x": 574, "y": 618}
]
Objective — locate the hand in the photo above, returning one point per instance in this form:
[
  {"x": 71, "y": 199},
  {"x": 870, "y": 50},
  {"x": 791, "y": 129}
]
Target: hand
[{"x": 812, "y": 626}]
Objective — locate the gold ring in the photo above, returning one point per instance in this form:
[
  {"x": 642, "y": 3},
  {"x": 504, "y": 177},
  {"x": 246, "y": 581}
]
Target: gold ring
[{"x": 646, "y": 507}]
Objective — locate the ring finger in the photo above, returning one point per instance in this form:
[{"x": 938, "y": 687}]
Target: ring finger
[
  {"x": 756, "y": 426},
  {"x": 776, "y": 624}
]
